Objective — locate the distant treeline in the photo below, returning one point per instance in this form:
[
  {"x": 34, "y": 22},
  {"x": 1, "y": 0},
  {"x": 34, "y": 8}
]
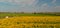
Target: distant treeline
[{"x": 43, "y": 13}]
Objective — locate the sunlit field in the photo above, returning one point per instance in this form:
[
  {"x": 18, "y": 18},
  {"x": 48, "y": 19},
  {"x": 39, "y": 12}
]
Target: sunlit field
[{"x": 30, "y": 22}]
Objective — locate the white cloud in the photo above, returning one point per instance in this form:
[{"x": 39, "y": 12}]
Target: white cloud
[
  {"x": 19, "y": 1},
  {"x": 53, "y": 1},
  {"x": 26, "y": 5},
  {"x": 44, "y": 7},
  {"x": 57, "y": 9}
]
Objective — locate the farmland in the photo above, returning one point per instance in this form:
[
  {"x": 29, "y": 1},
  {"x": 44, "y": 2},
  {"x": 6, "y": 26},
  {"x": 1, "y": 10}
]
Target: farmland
[{"x": 29, "y": 20}]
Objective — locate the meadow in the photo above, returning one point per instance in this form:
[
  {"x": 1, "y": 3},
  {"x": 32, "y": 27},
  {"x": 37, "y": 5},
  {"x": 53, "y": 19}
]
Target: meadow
[{"x": 24, "y": 20}]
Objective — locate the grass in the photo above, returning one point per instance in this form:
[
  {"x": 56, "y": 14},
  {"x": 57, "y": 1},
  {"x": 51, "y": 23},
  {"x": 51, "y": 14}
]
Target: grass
[{"x": 2, "y": 15}]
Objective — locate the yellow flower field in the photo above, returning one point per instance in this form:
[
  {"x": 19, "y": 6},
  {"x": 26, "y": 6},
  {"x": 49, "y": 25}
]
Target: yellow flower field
[{"x": 31, "y": 22}]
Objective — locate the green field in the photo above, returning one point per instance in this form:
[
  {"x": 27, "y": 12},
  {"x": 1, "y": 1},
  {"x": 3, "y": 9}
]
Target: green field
[{"x": 2, "y": 15}]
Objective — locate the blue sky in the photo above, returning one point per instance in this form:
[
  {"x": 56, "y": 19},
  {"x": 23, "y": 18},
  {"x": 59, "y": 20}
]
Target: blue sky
[{"x": 29, "y": 5}]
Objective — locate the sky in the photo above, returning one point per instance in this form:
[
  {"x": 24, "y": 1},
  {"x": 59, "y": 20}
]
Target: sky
[{"x": 29, "y": 5}]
